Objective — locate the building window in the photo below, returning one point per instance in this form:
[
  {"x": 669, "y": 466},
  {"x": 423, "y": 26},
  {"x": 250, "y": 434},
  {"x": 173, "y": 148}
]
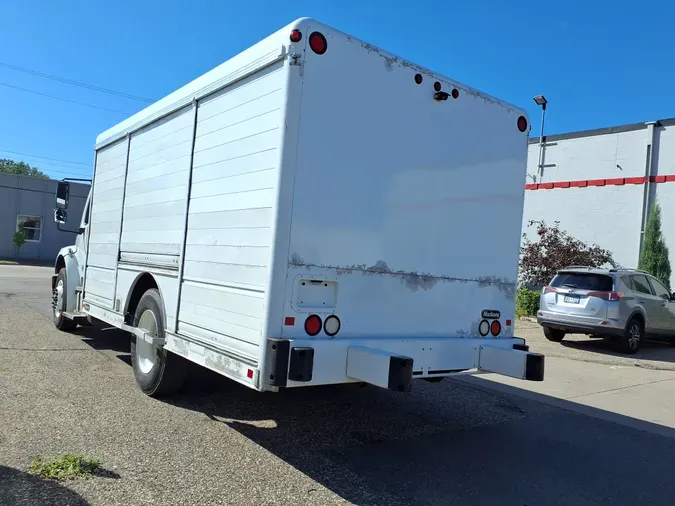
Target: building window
[{"x": 32, "y": 227}]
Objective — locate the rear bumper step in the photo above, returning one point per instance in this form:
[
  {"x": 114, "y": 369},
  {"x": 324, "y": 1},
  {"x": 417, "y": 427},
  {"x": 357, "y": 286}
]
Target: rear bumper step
[{"x": 393, "y": 363}]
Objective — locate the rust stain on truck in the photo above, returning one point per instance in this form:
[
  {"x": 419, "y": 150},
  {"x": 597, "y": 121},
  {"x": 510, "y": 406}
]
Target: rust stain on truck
[{"x": 413, "y": 280}]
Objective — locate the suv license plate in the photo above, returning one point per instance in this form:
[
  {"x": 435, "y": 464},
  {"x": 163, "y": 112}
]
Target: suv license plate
[{"x": 572, "y": 299}]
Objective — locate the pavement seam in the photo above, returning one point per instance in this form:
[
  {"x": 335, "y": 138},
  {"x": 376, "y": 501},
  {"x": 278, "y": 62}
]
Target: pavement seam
[{"x": 619, "y": 388}]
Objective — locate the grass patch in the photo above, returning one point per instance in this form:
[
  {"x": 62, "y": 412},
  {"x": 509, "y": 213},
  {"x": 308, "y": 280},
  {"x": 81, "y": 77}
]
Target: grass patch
[
  {"x": 3, "y": 369},
  {"x": 8, "y": 262},
  {"x": 64, "y": 467}
]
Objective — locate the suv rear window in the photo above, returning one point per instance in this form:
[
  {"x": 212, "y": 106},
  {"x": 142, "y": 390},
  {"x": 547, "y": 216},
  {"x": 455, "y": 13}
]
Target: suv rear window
[{"x": 583, "y": 281}]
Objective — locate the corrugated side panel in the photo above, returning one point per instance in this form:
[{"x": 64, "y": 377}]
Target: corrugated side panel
[
  {"x": 228, "y": 245},
  {"x": 105, "y": 223},
  {"x": 154, "y": 205}
]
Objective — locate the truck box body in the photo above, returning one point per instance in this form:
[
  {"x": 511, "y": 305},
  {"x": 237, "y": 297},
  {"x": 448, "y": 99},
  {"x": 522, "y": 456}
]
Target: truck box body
[{"x": 287, "y": 183}]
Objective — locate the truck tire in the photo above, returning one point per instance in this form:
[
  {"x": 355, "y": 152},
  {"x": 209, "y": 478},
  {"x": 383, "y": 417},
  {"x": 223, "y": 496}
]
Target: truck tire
[
  {"x": 555, "y": 335},
  {"x": 157, "y": 371},
  {"x": 632, "y": 337},
  {"x": 59, "y": 303}
]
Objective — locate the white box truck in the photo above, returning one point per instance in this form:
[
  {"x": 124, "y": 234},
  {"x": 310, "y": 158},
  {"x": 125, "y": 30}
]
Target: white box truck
[{"x": 313, "y": 211}]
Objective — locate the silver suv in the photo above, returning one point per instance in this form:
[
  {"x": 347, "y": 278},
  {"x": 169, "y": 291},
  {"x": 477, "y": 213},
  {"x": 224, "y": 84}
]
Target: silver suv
[{"x": 621, "y": 304}]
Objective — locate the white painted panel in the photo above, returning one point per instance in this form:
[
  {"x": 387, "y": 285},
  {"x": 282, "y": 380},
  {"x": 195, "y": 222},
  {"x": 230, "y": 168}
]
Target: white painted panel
[
  {"x": 220, "y": 322},
  {"x": 159, "y": 170},
  {"x": 259, "y": 125},
  {"x": 249, "y": 200},
  {"x": 235, "y": 184},
  {"x": 234, "y": 117},
  {"x": 174, "y": 194},
  {"x": 227, "y": 343},
  {"x": 153, "y": 236},
  {"x": 105, "y": 221},
  {"x": 242, "y": 302},
  {"x": 164, "y": 182},
  {"x": 259, "y": 256},
  {"x": 244, "y": 218},
  {"x": 242, "y": 147},
  {"x": 171, "y": 222},
  {"x": 233, "y": 237},
  {"x": 151, "y": 247},
  {"x": 164, "y": 210},
  {"x": 211, "y": 272},
  {"x": 235, "y": 172},
  {"x": 241, "y": 165},
  {"x": 159, "y": 161}
]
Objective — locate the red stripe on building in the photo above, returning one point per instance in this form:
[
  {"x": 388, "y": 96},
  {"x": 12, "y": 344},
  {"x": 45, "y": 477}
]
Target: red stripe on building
[{"x": 616, "y": 181}]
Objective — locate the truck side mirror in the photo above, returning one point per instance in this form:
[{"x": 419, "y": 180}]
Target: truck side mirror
[
  {"x": 62, "y": 195},
  {"x": 60, "y": 216}
]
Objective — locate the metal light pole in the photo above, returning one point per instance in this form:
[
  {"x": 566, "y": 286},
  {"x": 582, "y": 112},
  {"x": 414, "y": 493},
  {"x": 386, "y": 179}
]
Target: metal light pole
[{"x": 541, "y": 101}]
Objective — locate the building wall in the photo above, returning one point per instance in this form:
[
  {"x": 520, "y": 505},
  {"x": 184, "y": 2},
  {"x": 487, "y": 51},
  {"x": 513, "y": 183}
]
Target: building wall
[
  {"x": 23, "y": 195},
  {"x": 595, "y": 184}
]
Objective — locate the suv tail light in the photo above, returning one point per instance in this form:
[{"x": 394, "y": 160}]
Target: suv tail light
[{"x": 606, "y": 295}]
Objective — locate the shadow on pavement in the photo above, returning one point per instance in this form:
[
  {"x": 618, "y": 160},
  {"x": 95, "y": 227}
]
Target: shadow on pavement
[
  {"x": 371, "y": 446},
  {"x": 650, "y": 350},
  {"x": 463, "y": 441},
  {"x": 20, "y": 488}
]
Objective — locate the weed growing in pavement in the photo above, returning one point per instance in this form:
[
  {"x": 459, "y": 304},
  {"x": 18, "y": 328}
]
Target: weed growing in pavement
[{"x": 64, "y": 467}]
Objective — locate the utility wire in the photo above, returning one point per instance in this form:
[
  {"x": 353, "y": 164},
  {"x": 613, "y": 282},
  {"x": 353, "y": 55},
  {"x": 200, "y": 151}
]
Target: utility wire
[
  {"x": 65, "y": 99},
  {"x": 89, "y": 165},
  {"x": 76, "y": 83}
]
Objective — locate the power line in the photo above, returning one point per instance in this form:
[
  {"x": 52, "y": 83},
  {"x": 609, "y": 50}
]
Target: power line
[
  {"x": 51, "y": 171},
  {"x": 64, "y": 99},
  {"x": 46, "y": 158},
  {"x": 76, "y": 83}
]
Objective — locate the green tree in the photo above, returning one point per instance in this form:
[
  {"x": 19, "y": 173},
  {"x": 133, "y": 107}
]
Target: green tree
[
  {"x": 654, "y": 255},
  {"x": 20, "y": 168},
  {"x": 19, "y": 237}
]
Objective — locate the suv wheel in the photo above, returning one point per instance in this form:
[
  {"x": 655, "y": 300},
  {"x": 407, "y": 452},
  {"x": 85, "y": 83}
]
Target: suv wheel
[
  {"x": 633, "y": 336},
  {"x": 554, "y": 335}
]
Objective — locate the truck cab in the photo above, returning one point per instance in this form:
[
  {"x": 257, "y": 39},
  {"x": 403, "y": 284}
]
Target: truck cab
[{"x": 70, "y": 262}]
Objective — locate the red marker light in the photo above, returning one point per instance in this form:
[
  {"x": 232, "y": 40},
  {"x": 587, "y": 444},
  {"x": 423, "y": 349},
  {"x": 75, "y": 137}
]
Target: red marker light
[
  {"x": 522, "y": 123},
  {"x": 296, "y": 36},
  {"x": 318, "y": 43},
  {"x": 437, "y": 86},
  {"x": 313, "y": 325},
  {"x": 455, "y": 93},
  {"x": 249, "y": 374},
  {"x": 495, "y": 328},
  {"x": 419, "y": 78}
]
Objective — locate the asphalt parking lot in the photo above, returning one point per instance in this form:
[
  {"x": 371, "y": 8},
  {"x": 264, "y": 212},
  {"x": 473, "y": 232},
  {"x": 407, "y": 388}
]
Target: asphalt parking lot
[{"x": 475, "y": 441}]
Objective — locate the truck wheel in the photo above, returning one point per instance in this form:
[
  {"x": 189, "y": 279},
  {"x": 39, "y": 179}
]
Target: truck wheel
[
  {"x": 59, "y": 300},
  {"x": 632, "y": 338},
  {"x": 157, "y": 371},
  {"x": 554, "y": 335}
]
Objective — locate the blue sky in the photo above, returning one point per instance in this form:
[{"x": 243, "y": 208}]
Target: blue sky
[{"x": 599, "y": 63}]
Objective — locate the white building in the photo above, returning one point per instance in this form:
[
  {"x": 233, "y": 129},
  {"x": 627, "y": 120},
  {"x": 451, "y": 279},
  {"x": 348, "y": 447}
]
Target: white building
[{"x": 601, "y": 184}]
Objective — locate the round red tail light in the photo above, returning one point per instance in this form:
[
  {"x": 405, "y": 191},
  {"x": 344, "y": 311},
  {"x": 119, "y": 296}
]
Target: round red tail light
[
  {"x": 331, "y": 326},
  {"x": 522, "y": 123},
  {"x": 437, "y": 86},
  {"x": 455, "y": 93},
  {"x": 495, "y": 328},
  {"x": 296, "y": 36},
  {"x": 313, "y": 325},
  {"x": 318, "y": 43},
  {"x": 419, "y": 78}
]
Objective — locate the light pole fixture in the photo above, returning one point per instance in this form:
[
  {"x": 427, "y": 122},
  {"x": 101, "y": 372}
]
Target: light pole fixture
[{"x": 541, "y": 101}]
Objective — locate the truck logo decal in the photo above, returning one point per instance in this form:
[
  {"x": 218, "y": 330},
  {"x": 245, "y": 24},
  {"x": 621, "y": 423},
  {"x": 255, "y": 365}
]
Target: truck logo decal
[{"x": 491, "y": 313}]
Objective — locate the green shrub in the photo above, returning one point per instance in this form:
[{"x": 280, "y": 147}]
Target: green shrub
[
  {"x": 654, "y": 256},
  {"x": 527, "y": 302}
]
